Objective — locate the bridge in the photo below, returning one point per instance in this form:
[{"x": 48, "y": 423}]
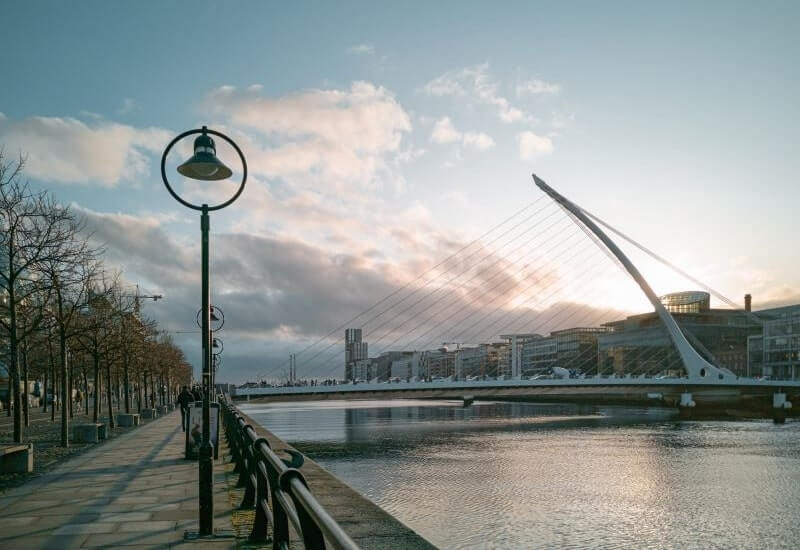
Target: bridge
[{"x": 701, "y": 381}]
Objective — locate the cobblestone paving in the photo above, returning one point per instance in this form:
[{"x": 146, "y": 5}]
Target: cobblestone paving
[
  {"x": 136, "y": 491},
  {"x": 46, "y": 438}
]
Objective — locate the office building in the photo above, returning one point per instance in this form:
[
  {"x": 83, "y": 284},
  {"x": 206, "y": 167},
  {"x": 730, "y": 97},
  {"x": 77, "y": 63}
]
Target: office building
[{"x": 354, "y": 350}]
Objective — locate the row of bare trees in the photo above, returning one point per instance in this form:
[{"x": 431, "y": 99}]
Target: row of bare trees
[{"x": 67, "y": 322}]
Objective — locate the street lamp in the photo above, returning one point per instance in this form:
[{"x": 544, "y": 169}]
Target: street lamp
[{"x": 205, "y": 166}]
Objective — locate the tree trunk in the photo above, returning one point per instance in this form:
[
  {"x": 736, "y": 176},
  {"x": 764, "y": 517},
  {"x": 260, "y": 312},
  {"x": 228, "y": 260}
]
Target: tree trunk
[
  {"x": 44, "y": 392},
  {"x": 108, "y": 390},
  {"x": 55, "y": 392},
  {"x": 127, "y": 381},
  {"x": 71, "y": 384},
  {"x": 10, "y": 392},
  {"x": 53, "y": 377},
  {"x": 96, "y": 391},
  {"x": 117, "y": 387},
  {"x": 14, "y": 377},
  {"x": 62, "y": 343},
  {"x": 144, "y": 381},
  {"x": 25, "y": 402},
  {"x": 85, "y": 391}
]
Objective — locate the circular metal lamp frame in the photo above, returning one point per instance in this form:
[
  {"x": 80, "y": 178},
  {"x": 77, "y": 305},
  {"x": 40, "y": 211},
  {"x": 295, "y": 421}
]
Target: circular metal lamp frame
[
  {"x": 215, "y": 309},
  {"x": 221, "y": 346},
  {"x": 186, "y": 203}
]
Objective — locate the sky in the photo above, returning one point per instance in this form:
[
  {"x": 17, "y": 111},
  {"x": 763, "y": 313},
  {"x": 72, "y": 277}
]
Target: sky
[{"x": 383, "y": 138}]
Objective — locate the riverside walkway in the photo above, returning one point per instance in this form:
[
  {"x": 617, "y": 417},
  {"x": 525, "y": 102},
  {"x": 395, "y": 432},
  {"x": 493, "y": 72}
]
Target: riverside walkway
[{"x": 136, "y": 491}]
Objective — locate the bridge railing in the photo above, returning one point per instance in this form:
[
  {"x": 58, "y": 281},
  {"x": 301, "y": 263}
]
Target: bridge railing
[{"x": 278, "y": 491}]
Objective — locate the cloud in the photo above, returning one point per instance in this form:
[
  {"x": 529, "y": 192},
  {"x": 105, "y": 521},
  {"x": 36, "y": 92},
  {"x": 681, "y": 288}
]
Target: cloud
[
  {"x": 67, "y": 150},
  {"x": 444, "y": 132},
  {"x": 537, "y": 87},
  {"x": 478, "y": 140},
  {"x": 476, "y": 83},
  {"x": 342, "y": 136},
  {"x": 279, "y": 291},
  {"x": 361, "y": 49},
  {"x": 128, "y": 105},
  {"x": 532, "y": 145}
]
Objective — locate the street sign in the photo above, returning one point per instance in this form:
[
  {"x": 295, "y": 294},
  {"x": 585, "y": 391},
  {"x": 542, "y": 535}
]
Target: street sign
[{"x": 194, "y": 435}]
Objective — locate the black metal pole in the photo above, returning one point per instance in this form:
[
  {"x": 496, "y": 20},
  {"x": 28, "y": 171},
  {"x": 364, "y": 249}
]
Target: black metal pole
[{"x": 206, "y": 466}]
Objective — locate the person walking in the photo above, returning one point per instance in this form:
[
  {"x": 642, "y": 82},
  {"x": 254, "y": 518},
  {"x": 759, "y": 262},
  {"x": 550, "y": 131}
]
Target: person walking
[{"x": 184, "y": 398}]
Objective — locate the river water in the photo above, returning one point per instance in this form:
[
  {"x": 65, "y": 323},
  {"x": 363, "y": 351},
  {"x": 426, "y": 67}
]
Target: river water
[{"x": 524, "y": 475}]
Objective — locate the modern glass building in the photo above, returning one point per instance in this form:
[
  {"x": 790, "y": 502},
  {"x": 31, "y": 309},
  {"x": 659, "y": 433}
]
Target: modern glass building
[
  {"x": 640, "y": 345},
  {"x": 574, "y": 349},
  {"x": 776, "y": 352}
]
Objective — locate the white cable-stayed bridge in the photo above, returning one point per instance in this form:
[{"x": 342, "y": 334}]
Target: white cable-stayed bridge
[{"x": 534, "y": 272}]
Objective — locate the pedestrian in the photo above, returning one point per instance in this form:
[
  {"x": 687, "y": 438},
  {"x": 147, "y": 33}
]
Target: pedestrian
[
  {"x": 184, "y": 398},
  {"x": 196, "y": 393},
  {"x": 78, "y": 399}
]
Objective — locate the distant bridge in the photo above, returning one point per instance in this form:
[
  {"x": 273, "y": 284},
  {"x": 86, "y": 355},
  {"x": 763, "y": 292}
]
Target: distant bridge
[
  {"x": 704, "y": 383},
  {"x": 746, "y": 392}
]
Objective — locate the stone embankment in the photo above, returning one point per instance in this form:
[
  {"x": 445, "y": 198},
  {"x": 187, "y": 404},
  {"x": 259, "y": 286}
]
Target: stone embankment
[{"x": 366, "y": 523}]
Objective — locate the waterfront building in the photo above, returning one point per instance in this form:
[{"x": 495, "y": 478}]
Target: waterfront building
[
  {"x": 639, "y": 344},
  {"x": 495, "y": 354},
  {"x": 354, "y": 350},
  {"x": 775, "y": 353},
  {"x": 574, "y": 349},
  {"x": 470, "y": 362},
  {"x": 363, "y": 369},
  {"x": 438, "y": 363},
  {"x": 407, "y": 366},
  {"x": 512, "y": 365}
]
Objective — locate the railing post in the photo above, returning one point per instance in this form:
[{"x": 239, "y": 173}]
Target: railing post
[
  {"x": 259, "y": 533},
  {"x": 312, "y": 535},
  {"x": 249, "y": 473},
  {"x": 280, "y": 527},
  {"x": 245, "y": 448}
]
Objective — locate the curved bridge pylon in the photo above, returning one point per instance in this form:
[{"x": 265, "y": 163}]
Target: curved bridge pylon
[{"x": 697, "y": 368}]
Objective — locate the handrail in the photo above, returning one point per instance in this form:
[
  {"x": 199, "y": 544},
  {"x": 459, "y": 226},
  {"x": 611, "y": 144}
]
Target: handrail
[{"x": 278, "y": 492}]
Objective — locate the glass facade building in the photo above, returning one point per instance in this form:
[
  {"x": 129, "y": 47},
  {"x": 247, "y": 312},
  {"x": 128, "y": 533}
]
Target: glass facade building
[
  {"x": 776, "y": 352},
  {"x": 574, "y": 349},
  {"x": 640, "y": 345}
]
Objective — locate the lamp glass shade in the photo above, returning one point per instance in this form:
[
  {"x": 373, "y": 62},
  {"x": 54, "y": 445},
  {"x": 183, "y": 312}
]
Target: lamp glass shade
[{"x": 204, "y": 164}]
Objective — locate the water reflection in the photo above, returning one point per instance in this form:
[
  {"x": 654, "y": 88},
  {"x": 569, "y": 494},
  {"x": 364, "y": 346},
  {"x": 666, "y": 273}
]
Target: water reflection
[{"x": 520, "y": 475}]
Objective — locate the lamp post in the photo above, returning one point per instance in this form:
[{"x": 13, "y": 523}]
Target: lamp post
[
  {"x": 205, "y": 166},
  {"x": 216, "y": 347}
]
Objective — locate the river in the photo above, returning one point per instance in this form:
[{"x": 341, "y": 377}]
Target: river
[{"x": 525, "y": 475}]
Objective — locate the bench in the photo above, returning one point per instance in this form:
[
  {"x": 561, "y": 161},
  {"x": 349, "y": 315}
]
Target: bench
[
  {"x": 88, "y": 433},
  {"x": 149, "y": 413},
  {"x": 16, "y": 459},
  {"x": 162, "y": 410},
  {"x": 127, "y": 420}
]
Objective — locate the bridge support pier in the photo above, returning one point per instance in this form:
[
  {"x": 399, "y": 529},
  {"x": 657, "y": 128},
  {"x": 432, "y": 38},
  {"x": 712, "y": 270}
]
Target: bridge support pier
[
  {"x": 686, "y": 405},
  {"x": 779, "y": 407}
]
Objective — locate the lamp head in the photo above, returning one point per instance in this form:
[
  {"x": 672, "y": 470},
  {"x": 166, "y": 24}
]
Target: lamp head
[{"x": 204, "y": 164}]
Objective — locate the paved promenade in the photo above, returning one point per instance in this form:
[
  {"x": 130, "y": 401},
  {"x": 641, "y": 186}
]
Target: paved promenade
[{"x": 136, "y": 491}]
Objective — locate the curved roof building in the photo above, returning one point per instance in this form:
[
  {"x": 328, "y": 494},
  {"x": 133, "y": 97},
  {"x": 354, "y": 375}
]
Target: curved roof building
[{"x": 690, "y": 301}]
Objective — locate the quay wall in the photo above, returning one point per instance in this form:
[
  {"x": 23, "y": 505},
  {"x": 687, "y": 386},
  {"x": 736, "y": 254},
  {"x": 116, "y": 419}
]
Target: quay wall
[{"x": 365, "y": 522}]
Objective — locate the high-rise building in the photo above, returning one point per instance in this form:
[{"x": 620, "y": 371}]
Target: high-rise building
[{"x": 354, "y": 350}]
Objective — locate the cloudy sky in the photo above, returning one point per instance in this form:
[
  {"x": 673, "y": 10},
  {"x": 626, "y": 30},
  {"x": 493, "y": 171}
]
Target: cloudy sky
[{"x": 382, "y": 139}]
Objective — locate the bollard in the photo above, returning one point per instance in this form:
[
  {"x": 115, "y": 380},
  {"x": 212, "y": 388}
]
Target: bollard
[
  {"x": 779, "y": 407},
  {"x": 686, "y": 405}
]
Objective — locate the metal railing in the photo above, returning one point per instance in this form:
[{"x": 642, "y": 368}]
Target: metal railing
[{"x": 278, "y": 491}]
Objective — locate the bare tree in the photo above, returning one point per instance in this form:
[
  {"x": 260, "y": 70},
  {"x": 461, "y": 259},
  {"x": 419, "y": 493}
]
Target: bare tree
[
  {"x": 33, "y": 234},
  {"x": 71, "y": 274}
]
